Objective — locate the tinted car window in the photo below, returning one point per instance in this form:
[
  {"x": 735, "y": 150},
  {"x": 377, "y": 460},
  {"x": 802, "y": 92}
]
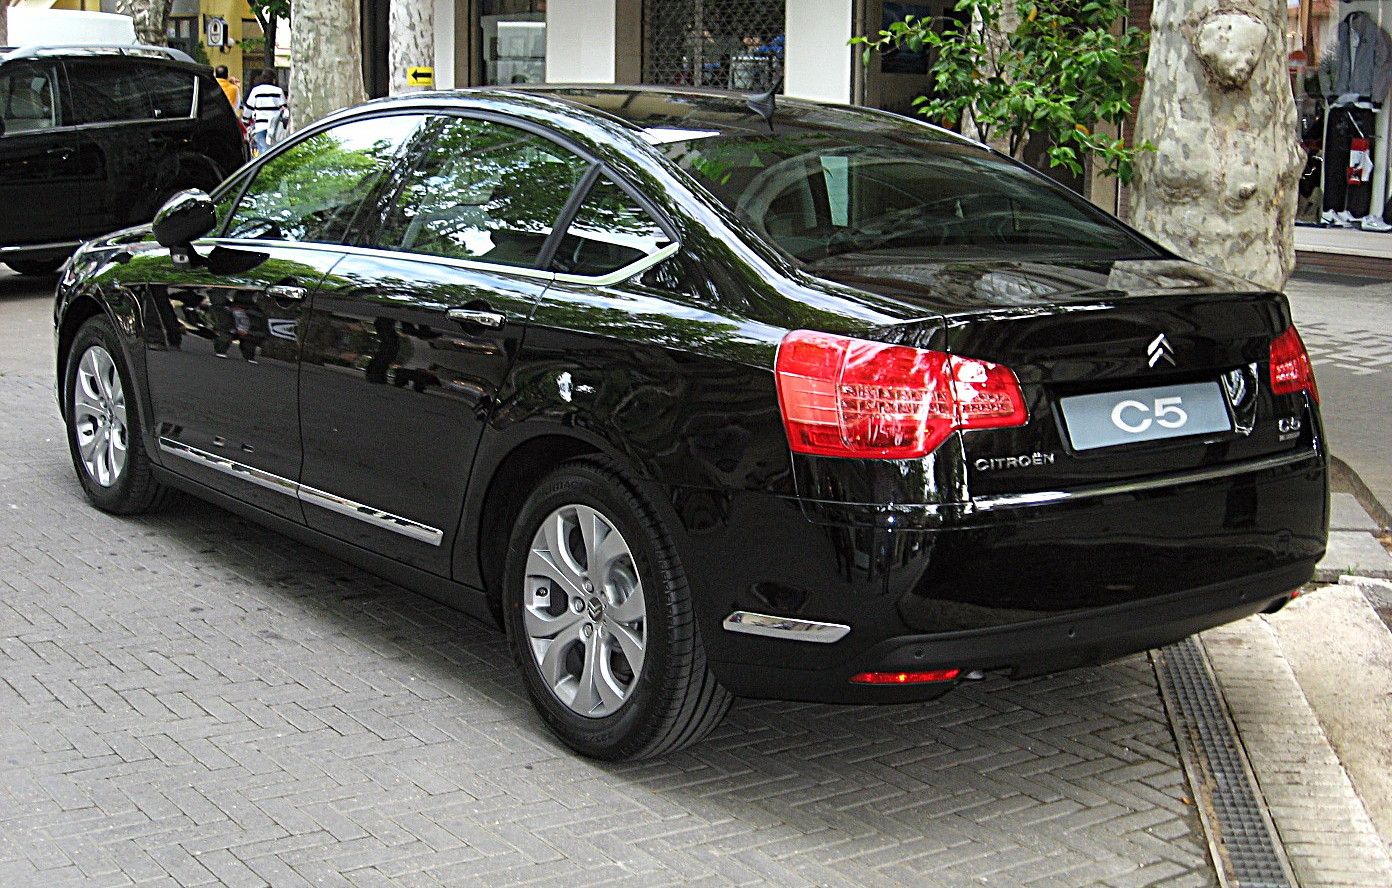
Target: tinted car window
[
  {"x": 170, "y": 91},
  {"x": 822, "y": 194},
  {"x": 28, "y": 100},
  {"x": 311, "y": 190},
  {"x": 484, "y": 191},
  {"x": 107, "y": 91},
  {"x": 610, "y": 231}
]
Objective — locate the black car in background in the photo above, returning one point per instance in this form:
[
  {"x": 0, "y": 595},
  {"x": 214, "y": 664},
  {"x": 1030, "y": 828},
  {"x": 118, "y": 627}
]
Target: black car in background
[
  {"x": 93, "y": 139},
  {"x": 700, "y": 399}
]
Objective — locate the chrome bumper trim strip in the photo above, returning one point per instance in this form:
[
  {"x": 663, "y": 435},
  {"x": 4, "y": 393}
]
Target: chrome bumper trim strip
[
  {"x": 305, "y": 494},
  {"x": 1006, "y": 501},
  {"x": 39, "y": 248},
  {"x": 785, "y": 627}
]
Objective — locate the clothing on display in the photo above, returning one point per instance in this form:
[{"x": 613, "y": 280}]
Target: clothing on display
[{"x": 1355, "y": 79}]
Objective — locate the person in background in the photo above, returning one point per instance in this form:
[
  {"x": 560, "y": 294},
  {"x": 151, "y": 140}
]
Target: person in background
[
  {"x": 264, "y": 105},
  {"x": 231, "y": 86}
]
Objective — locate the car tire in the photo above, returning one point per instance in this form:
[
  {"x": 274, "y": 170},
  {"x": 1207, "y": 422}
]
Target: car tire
[
  {"x": 34, "y": 267},
  {"x": 671, "y": 699},
  {"x": 103, "y": 423}
]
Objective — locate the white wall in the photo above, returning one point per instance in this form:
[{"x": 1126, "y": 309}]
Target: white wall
[
  {"x": 444, "y": 44},
  {"x": 580, "y": 41},
  {"x": 818, "y": 63}
]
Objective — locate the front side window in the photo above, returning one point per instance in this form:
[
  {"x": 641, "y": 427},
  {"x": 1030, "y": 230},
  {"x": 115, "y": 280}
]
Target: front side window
[
  {"x": 311, "y": 191},
  {"x": 824, "y": 194},
  {"x": 28, "y": 99},
  {"x": 610, "y": 231},
  {"x": 108, "y": 91},
  {"x": 484, "y": 191}
]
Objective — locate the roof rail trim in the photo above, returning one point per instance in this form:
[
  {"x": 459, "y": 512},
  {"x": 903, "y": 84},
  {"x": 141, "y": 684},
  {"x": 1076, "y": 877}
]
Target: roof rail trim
[{"x": 130, "y": 49}]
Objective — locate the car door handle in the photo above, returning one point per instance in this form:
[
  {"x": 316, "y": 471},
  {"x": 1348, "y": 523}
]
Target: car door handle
[
  {"x": 59, "y": 153},
  {"x": 491, "y": 319},
  {"x": 286, "y": 292}
]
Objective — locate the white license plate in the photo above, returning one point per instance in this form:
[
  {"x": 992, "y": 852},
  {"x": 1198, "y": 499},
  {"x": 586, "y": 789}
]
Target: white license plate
[{"x": 1168, "y": 411}]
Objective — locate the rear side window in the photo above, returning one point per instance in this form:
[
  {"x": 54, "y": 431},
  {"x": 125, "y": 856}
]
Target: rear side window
[
  {"x": 108, "y": 91},
  {"x": 311, "y": 191},
  {"x": 28, "y": 99},
  {"x": 484, "y": 191},
  {"x": 611, "y": 231},
  {"x": 170, "y": 91}
]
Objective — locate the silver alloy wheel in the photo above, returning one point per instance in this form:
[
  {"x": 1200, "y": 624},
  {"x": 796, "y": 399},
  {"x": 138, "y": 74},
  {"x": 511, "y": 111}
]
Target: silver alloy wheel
[
  {"x": 584, "y": 612},
  {"x": 99, "y": 416}
]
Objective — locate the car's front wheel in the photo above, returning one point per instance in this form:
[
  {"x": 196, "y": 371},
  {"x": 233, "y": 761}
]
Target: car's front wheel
[
  {"x": 104, "y": 424},
  {"x": 599, "y": 617}
]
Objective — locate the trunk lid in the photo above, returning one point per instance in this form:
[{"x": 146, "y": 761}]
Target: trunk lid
[{"x": 1101, "y": 351}]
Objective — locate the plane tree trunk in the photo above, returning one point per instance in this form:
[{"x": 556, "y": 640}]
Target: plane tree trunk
[
  {"x": 411, "y": 32},
  {"x": 1221, "y": 186},
  {"x": 150, "y": 18},
  {"x": 326, "y": 58}
]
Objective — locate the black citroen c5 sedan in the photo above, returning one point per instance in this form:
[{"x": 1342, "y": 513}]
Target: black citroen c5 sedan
[{"x": 703, "y": 399}]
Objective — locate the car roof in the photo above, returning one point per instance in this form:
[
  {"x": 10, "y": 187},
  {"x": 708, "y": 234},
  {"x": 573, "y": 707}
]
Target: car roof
[
  {"x": 672, "y": 111},
  {"x": 137, "y": 51}
]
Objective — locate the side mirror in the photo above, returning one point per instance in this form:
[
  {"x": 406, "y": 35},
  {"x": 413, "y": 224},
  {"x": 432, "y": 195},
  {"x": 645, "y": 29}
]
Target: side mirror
[{"x": 186, "y": 217}]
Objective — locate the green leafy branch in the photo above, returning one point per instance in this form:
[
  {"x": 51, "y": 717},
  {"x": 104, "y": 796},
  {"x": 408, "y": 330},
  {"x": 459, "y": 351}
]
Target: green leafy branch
[{"x": 1054, "y": 68}]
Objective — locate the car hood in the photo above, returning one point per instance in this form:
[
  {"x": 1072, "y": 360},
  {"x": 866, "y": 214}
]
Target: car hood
[{"x": 953, "y": 288}]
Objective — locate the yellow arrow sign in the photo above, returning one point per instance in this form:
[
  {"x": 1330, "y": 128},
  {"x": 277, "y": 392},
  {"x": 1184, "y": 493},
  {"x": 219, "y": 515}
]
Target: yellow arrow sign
[{"x": 420, "y": 76}]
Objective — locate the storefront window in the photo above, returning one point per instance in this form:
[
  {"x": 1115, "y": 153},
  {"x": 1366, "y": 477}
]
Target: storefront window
[
  {"x": 1341, "y": 72},
  {"x": 727, "y": 44},
  {"x": 514, "y": 41}
]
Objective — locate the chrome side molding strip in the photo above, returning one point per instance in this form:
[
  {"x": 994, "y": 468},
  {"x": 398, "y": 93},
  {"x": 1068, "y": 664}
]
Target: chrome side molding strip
[
  {"x": 230, "y": 467},
  {"x": 790, "y": 628},
  {"x": 385, "y": 520},
  {"x": 306, "y": 494}
]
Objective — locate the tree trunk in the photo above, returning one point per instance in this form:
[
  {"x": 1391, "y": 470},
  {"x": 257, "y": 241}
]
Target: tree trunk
[
  {"x": 268, "y": 33},
  {"x": 4, "y": 23},
  {"x": 1221, "y": 187},
  {"x": 411, "y": 34},
  {"x": 150, "y": 17},
  {"x": 326, "y": 58}
]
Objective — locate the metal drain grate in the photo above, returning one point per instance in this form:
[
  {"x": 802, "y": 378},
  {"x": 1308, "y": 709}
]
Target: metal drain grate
[{"x": 1241, "y": 836}]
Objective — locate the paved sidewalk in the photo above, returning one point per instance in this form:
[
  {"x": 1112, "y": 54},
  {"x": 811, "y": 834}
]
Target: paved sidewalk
[{"x": 1347, "y": 326}]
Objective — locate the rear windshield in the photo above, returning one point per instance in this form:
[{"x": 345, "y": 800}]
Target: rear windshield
[{"x": 831, "y": 194}]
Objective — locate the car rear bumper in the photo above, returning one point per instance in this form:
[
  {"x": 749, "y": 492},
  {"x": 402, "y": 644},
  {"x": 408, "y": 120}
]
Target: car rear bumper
[{"x": 1027, "y": 589}]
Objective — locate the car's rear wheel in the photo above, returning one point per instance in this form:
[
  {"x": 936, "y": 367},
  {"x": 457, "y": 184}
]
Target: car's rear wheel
[
  {"x": 104, "y": 424},
  {"x": 599, "y": 617},
  {"x": 34, "y": 267}
]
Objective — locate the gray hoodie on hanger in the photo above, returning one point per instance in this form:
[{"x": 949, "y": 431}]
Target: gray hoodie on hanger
[{"x": 1365, "y": 72}]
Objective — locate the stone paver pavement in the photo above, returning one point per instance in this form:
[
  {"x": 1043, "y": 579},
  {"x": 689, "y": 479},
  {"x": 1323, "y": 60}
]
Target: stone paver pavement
[{"x": 189, "y": 699}]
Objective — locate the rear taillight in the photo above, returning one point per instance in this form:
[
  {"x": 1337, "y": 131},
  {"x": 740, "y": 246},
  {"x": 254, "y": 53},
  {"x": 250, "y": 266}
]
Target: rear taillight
[
  {"x": 1290, "y": 366},
  {"x": 850, "y": 397}
]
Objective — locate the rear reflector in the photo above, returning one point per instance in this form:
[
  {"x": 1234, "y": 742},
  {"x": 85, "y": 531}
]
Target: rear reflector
[
  {"x": 854, "y": 398},
  {"x": 1290, "y": 366},
  {"x": 904, "y": 678}
]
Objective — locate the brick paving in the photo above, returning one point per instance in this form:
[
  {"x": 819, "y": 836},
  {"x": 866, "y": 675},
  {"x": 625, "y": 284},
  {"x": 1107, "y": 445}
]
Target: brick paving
[{"x": 189, "y": 699}]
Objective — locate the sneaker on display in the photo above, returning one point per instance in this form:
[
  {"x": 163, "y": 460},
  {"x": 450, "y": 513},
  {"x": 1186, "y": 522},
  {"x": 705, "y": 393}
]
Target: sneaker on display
[
  {"x": 1374, "y": 223},
  {"x": 1337, "y": 218}
]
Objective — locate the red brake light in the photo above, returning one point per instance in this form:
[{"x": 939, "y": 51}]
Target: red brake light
[
  {"x": 885, "y": 678},
  {"x": 850, "y": 397},
  {"x": 1290, "y": 366}
]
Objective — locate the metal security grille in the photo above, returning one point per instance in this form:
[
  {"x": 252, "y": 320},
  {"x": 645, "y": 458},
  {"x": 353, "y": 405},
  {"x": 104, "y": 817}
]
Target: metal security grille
[{"x": 727, "y": 44}]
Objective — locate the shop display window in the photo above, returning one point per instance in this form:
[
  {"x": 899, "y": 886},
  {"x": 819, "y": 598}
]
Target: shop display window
[
  {"x": 513, "y": 34},
  {"x": 1341, "y": 73}
]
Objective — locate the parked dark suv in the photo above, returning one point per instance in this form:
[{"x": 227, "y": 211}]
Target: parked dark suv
[{"x": 97, "y": 138}]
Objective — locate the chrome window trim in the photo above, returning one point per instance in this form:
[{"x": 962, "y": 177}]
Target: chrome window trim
[
  {"x": 790, "y": 628},
  {"x": 305, "y": 494},
  {"x": 1173, "y": 479},
  {"x": 606, "y": 280}
]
